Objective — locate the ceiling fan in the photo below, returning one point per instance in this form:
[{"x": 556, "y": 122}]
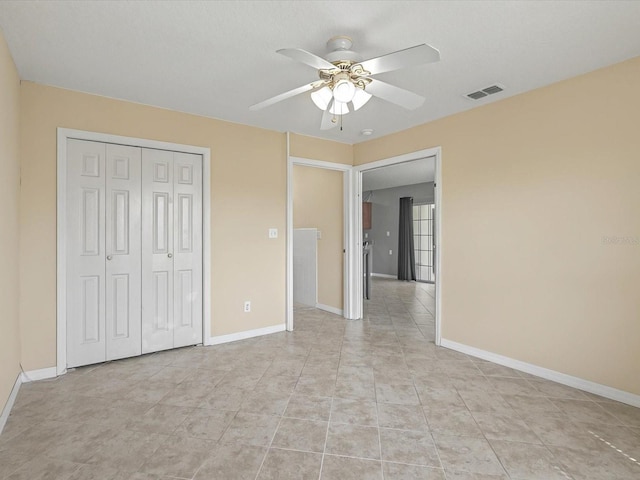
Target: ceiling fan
[{"x": 345, "y": 80}]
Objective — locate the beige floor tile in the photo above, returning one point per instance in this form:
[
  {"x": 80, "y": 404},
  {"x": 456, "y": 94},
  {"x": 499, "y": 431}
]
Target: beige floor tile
[
  {"x": 279, "y": 383},
  {"x": 509, "y": 427},
  {"x": 265, "y": 402},
  {"x": 290, "y": 465},
  {"x": 399, "y": 471},
  {"x": 187, "y": 394},
  {"x": 376, "y": 381},
  {"x": 467, "y": 454},
  {"x": 127, "y": 450},
  {"x": 406, "y": 446},
  {"x": 458, "y": 475},
  {"x": 353, "y": 441},
  {"x": 225, "y": 398},
  {"x": 162, "y": 419},
  {"x": 586, "y": 411},
  {"x": 205, "y": 423},
  {"x": 316, "y": 385},
  {"x": 179, "y": 457},
  {"x": 600, "y": 463},
  {"x": 308, "y": 407},
  {"x": 232, "y": 462},
  {"x": 626, "y": 414},
  {"x": 355, "y": 412},
  {"x": 403, "y": 417},
  {"x": 400, "y": 394},
  {"x": 528, "y": 462},
  {"x": 346, "y": 468},
  {"x": 40, "y": 468},
  {"x": 10, "y": 461},
  {"x": 251, "y": 429},
  {"x": 455, "y": 421},
  {"x": 305, "y": 435}
]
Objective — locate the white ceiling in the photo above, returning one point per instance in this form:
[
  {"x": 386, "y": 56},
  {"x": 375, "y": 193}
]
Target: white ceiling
[
  {"x": 407, "y": 173},
  {"x": 218, "y": 58}
]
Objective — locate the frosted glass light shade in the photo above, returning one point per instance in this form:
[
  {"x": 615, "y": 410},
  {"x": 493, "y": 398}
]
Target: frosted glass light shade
[
  {"x": 360, "y": 97},
  {"x": 343, "y": 91},
  {"x": 339, "y": 108},
  {"x": 322, "y": 98}
]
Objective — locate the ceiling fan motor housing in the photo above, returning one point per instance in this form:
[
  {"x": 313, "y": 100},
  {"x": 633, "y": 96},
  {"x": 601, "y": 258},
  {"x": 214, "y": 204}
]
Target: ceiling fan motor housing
[{"x": 339, "y": 50}]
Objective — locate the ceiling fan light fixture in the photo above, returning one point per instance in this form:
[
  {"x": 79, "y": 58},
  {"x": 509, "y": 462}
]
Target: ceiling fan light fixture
[
  {"x": 322, "y": 97},
  {"x": 344, "y": 90},
  {"x": 360, "y": 97},
  {"x": 339, "y": 108}
]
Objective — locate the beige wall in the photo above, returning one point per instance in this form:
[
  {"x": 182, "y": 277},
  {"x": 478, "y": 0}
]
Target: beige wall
[
  {"x": 9, "y": 228},
  {"x": 319, "y": 149},
  {"x": 318, "y": 203},
  {"x": 530, "y": 187},
  {"x": 248, "y": 196}
]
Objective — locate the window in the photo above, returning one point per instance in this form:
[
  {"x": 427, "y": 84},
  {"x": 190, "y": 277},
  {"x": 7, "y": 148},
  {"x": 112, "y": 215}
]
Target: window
[{"x": 423, "y": 241}]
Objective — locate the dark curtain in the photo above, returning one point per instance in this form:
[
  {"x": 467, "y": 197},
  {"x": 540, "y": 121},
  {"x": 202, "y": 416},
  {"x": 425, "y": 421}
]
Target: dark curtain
[{"x": 406, "y": 253}]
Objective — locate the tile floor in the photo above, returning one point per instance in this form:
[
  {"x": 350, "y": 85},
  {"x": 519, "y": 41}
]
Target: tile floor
[{"x": 336, "y": 399}]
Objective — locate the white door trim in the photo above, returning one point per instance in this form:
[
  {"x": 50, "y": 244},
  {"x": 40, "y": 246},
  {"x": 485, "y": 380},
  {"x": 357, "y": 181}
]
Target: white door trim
[
  {"x": 61, "y": 312},
  {"x": 348, "y": 229},
  {"x": 356, "y": 220}
]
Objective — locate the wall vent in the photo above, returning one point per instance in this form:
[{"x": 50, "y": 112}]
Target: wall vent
[{"x": 485, "y": 92}]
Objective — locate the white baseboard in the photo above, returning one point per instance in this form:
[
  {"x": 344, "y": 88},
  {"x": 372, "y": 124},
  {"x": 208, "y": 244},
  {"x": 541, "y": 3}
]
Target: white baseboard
[
  {"x": 330, "y": 309},
  {"x": 384, "y": 275},
  {"x": 234, "y": 337},
  {"x": 40, "y": 374},
  {"x": 563, "y": 378},
  {"x": 10, "y": 401}
]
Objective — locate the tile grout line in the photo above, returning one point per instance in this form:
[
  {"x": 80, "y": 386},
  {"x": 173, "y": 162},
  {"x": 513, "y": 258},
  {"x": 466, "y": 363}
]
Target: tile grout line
[{"x": 281, "y": 416}]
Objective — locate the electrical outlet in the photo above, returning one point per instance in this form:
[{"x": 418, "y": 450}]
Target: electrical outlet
[
  {"x": 388, "y": 234},
  {"x": 247, "y": 306},
  {"x": 273, "y": 233},
  {"x": 390, "y": 252}
]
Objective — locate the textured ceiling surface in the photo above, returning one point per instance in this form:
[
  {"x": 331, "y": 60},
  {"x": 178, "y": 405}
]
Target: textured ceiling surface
[
  {"x": 407, "y": 173},
  {"x": 218, "y": 58}
]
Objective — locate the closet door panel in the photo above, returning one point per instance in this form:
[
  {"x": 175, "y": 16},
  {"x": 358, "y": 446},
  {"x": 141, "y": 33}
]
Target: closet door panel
[
  {"x": 157, "y": 250},
  {"x": 123, "y": 242},
  {"x": 86, "y": 339},
  {"x": 187, "y": 257}
]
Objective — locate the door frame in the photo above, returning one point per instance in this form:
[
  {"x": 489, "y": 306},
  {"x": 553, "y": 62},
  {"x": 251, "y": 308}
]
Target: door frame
[
  {"x": 348, "y": 263},
  {"x": 64, "y": 134},
  {"x": 358, "y": 170}
]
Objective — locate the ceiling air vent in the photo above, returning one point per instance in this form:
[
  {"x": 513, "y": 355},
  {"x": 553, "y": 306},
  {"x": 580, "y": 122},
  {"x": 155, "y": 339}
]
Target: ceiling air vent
[{"x": 485, "y": 92}]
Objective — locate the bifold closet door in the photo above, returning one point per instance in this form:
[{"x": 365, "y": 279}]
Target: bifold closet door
[
  {"x": 171, "y": 250},
  {"x": 103, "y": 252},
  {"x": 123, "y": 277}
]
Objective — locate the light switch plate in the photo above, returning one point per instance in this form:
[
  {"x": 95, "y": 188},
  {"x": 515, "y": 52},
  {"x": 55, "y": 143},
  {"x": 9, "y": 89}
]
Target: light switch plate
[
  {"x": 273, "y": 233},
  {"x": 319, "y": 235}
]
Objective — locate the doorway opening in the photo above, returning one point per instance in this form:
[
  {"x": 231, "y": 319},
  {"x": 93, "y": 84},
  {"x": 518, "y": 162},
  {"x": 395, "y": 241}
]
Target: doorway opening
[
  {"x": 381, "y": 184},
  {"x": 329, "y": 256}
]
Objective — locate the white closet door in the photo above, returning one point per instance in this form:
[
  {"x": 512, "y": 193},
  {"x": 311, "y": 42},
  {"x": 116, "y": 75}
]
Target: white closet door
[
  {"x": 123, "y": 276},
  {"x": 187, "y": 252},
  {"x": 157, "y": 250},
  {"x": 85, "y": 252}
]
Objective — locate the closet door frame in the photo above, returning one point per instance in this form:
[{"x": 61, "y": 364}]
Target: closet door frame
[{"x": 65, "y": 134}]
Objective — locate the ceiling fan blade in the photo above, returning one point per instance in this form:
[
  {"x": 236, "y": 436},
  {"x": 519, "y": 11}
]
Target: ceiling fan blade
[
  {"x": 408, "y": 57},
  {"x": 393, "y": 94},
  {"x": 283, "y": 96},
  {"x": 307, "y": 58},
  {"x": 327, "y": 122}
]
